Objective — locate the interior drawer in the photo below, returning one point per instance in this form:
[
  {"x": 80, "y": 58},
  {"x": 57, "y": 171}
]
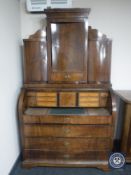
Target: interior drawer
[
  {"x": 67, "y": 99},
  {"x": 42, "y": 99},
  {"x": 99, "y": 131},
  {"x": 67, "y": 77},
  {"x": 88, "y": 99}
]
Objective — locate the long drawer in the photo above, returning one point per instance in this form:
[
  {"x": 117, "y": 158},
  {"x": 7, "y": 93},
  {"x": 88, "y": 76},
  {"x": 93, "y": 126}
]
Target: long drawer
[
  {"x": 46, "y": 156},
  {"x": 48, "y": 130},
  {"x": 69, "y": 119},
  {"x": 70, "y": 144}
]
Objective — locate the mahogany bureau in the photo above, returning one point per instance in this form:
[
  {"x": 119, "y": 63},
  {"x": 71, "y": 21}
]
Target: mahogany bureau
[{"x": 67, "y": 109}]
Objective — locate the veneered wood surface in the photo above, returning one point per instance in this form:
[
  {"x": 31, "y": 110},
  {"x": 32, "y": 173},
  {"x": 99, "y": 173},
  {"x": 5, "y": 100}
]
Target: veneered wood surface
[
  {"x": 67, "y": 119},
  {"x": 67, "y": 66},
  {"x": 67, "y": 99},
  {"x": 67, "y": 131},
  {"x": 69, "y": 144}
]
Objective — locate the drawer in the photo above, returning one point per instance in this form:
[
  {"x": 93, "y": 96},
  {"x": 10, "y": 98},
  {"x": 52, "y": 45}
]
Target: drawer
[
  {"x": 62, "y": 157},
  {"x": 67, "y": 99},
  {"x": 48, "y": 130},
  {"x": 42, "y": 99},
  {"x": 46, "y": 99},
  {"x": 68, "y": 144},
  {"x": 67, "y": 77},
  {"x": 72, "y": 119},
  {"x": 88, "y": 99}
]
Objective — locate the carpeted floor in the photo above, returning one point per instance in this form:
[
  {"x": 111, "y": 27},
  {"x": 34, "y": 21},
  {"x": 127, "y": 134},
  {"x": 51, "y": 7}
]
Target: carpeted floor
[{"x": 70, "y": 171}]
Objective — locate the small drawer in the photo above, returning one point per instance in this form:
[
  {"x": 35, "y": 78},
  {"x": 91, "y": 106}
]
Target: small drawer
[
  {"x": 67, "y": 99},
  {"x": 41, "y": 99},
  {"x": 89, "y": 99},
  {"x": 46, "y": 99}
]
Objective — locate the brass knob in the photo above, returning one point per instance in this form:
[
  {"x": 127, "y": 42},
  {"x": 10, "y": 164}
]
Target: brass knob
[
  {"x": 67, "y": 119},
  {"x": 66, "y": 143},
  {"x": 66, "y": 156},
  {"x": 67, "y": 76},
  {"x": 67, "y": 130}
]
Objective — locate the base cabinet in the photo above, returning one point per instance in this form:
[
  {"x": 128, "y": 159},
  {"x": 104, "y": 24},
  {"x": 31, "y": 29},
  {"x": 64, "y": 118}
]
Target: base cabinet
[{"x": 66, "y": 136}]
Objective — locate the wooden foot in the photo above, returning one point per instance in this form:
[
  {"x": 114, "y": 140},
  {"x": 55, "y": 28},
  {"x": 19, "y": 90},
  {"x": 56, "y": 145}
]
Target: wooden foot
[{"x": 104, "y": 168}]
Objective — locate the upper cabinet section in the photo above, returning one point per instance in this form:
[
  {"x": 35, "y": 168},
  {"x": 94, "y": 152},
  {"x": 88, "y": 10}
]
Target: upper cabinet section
[
  {"x": 67, "y": 36},
  {"x": 68, "y": 51},
  {"x": 99, "y": 57},
  {"x": 35, "y": 58}
]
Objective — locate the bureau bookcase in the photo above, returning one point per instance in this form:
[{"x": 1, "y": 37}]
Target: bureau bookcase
[{"x": 67, "y": 110}]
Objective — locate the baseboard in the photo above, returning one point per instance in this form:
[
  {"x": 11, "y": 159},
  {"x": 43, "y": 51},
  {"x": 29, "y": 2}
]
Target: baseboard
[{"x": 13, "y": 169}]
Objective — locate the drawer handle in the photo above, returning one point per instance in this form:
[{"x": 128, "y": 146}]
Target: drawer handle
[
  {"x": 66, "y": 143},
  {"x": 67, "y": 130},
  {"x": 67, "y": 76},
  {"x": 66, "y": 156},
  {"x": 67, "y": 119}
]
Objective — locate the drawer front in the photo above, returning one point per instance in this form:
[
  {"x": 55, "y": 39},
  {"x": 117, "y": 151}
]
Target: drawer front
[
  {"x": 46, "y": 99},
  {"x": 60, "y": 119},
  {"x": 67, "y": 131},
  {"x": 68, "y": 144},
  {"x": 89, "y": 99},
  {"x": 67, "y": 77},
  {"x": 42, "y": 99},
  {"x": 67, "y": 99},
  {"x": 65, "y": 156}
]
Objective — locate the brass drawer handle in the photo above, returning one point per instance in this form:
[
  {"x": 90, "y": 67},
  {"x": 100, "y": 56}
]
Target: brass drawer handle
[
  {"x": 67, "y": 130},
  {"x": 67, "y": 76},
  {"x": 66, "y": 156},
  {"x": 67, "y": 119},
  {"x": 66, "y": 143}
]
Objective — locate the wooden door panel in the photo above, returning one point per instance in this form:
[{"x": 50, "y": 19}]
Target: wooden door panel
[{"x": 68, "y": 52}]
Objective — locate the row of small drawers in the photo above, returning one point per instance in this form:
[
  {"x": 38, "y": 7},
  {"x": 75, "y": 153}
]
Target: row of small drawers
[{"x": 67, "y": 99}]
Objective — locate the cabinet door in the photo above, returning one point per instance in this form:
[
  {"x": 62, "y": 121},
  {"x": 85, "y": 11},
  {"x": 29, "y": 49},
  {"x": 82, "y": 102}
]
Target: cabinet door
[
  {"x": 99, "y": 57},
  {"x": 68, "y": 58}
]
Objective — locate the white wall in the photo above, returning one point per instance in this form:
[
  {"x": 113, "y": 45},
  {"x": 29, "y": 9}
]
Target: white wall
[
  {"x": 112, "y": 17},
  {"x": 10, "y": 82}
]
